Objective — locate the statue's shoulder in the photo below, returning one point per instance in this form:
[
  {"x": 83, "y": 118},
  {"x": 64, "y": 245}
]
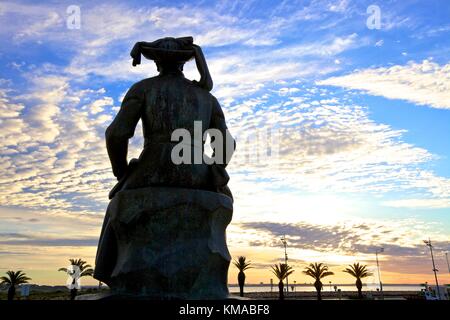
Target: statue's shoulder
[
  {"x": 141, "y": 85},
  {"x": 195, "y": 86}
]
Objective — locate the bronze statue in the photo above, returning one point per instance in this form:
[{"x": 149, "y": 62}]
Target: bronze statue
[{"x": 164, "y": 230}]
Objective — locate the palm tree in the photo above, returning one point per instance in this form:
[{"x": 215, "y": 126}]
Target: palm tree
[
  {"x": 242, "y": 265},
  {"x": 13, "y": 279},
  {"x": 85, "y": 271},
  {"x": 318, "y": 271},
  {"x": 281, "y": 271},
  {"x": 359, "y": 271}
]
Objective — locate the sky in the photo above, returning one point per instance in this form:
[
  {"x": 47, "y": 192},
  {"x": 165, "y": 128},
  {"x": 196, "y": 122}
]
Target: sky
[{"x": 353, "y": 96}]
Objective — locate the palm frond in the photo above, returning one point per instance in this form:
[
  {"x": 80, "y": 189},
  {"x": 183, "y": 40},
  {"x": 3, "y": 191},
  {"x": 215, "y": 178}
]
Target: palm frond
[
  {"x": 14, "y": 278},
  {"x": 282, "y": 270},
  {"x": 242, "y": 264},
  {"x": 317, "y": 271},
  {"x": 358, "y": 271}
]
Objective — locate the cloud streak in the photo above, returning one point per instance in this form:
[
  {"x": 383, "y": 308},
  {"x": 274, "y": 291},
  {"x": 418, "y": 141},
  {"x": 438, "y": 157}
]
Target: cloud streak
[{"x": 423, "y": 83}]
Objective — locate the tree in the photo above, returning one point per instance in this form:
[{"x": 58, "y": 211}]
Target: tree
[
  {"x": 242, "y": 265},
  {"x": 281, "y": 271},
  {"x": 13, "y": 279},
  {"x": 85, "y": 270},
  {"x": 358, "y": 271},
  {"x": 318, "y": 271}
]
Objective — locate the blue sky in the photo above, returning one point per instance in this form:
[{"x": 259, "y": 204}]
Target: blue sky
[{"x": 364, "y": 117}]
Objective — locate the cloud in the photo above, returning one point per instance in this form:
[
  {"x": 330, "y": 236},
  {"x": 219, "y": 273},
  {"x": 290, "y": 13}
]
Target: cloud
[
  {"x": 327, "y": 144},
  {"x": 424, "y": 83},
  {"x": 348, "y": 241},
  {"x": 418, "y": 203},
  {"x": 98, "y": 105},
  {"x": 58, "y": 242},
  {"x": 50, "y": 146}
]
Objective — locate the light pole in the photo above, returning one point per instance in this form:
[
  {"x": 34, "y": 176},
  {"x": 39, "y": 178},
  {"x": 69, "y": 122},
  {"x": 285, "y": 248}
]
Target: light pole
[
  {"x": 377, "y": 251},
  {"x": 283, "y": 239},
  {"x": 448, "y": 265},
  {"x": 429, "y": 245}
]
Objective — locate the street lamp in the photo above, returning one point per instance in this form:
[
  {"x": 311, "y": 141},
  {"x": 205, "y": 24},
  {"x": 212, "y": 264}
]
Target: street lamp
[
  {"x": 283, "y": 240},
  {"x": 429, "y": 245},
  {"x": 448, "y": 264},
  {"x": 377, "y": 251}
]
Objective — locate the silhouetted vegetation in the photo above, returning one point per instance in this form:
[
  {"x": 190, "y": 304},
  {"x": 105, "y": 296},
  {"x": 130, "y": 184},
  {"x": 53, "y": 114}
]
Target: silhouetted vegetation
[
  {"x": 318, "y": 271},
  {"x": 358, "y": 271},
  {"x": 242, "y": 265},
  {"x": 13, "y": 279},
  {"x": 281, "y": 271}
]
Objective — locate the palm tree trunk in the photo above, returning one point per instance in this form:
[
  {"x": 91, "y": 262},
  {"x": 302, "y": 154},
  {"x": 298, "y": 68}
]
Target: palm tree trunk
[
  {"x": 318, "y": 286},
  {"x": 241, "y": 281},
  {"x": 359, "y": 287},
  {"x": 281, "y": 289},
  {"x": 73, "y": 293},
  {"x": 11, "y": 292}
]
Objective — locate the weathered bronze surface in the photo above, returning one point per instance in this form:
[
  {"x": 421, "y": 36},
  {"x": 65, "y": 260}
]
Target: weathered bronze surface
[{"x": 164, "y": 231}]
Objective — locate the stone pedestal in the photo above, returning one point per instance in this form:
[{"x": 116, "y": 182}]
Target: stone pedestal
[{"x": 166, "y": 243}]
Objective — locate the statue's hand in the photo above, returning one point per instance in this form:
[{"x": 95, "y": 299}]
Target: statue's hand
[
  {"x": 125, "y": 171},
  {"x": 120, "y": 174},
  {"x": 205, "y": 77}
]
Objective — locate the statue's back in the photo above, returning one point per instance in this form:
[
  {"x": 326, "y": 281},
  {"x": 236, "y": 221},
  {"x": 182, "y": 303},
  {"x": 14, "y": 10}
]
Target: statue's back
[{"x": 173, "y": 102}]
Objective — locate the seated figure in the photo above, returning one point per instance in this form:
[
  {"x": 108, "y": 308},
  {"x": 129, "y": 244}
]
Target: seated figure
[{"x": 164, "y": 231}]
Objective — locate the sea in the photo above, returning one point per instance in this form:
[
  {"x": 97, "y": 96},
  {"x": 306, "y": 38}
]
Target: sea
[{"x": 234, "y": 288}]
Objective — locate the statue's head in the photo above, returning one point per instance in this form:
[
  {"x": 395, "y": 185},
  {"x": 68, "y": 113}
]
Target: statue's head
[{"x": 169, "y": 54}]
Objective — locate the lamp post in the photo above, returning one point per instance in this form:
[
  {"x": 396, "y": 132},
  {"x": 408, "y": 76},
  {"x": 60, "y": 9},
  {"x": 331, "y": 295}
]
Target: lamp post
[
  {"x": 448, "y": 264},
  {"x": 429, "y": 245},
  {"x": 377, "y": 251},
  {"x": 283, "y": 239}
]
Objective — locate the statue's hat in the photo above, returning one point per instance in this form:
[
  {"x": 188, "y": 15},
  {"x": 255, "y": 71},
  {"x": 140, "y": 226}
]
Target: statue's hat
[{"x": 165, "y": 50}]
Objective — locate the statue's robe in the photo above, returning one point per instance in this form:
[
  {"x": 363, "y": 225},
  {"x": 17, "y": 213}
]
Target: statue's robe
[{"x": 163, "y": 103}]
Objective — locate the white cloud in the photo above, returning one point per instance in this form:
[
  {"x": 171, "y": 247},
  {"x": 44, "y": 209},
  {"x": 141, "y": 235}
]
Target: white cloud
[
  {"x": 425, "y": 83},
  {"x": 418, "y": 203},
  {"x": 98, "y": 105},
  {"x": 327, "y": 47},
  {"x": 50, "y": 148},
  {"x": 53, "y": 19},
  {"x": 339, "y": 6}
]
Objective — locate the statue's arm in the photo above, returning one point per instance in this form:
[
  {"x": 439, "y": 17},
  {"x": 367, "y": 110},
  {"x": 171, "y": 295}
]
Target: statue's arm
[
  {"x": 202, "y": 67},
  {"x": 218, "y": 122},
  {"x": 122, "y": 129}
]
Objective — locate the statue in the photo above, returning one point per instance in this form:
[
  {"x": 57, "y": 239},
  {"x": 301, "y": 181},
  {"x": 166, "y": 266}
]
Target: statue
[{"x": 163, "y": 235}]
